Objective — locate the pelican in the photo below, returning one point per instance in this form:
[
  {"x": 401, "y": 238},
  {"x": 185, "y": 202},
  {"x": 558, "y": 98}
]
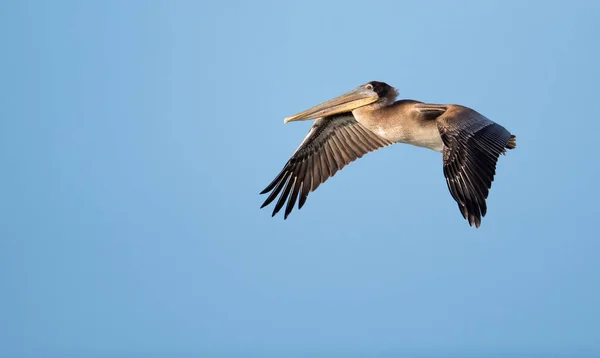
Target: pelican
[{"x": 369, "y": 118}]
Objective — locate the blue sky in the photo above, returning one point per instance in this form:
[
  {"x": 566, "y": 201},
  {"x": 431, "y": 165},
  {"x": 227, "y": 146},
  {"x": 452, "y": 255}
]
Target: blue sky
[{"x": 135, "y": 137}]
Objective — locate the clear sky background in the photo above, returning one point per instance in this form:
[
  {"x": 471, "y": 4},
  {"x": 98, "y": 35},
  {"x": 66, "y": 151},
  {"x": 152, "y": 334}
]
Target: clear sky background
[{"x": 135, "y": 137}]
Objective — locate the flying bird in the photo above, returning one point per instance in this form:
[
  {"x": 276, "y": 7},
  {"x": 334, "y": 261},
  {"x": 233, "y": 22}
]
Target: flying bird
[{"x": 369, "y": 118}]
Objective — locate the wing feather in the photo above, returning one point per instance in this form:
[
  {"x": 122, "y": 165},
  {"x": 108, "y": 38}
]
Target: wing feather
[
  {"x": 472, "y": 145},
  {"x": 331, "y": 144}
]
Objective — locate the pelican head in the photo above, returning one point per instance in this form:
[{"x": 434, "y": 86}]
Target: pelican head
[{"x": 374, "y": 93}]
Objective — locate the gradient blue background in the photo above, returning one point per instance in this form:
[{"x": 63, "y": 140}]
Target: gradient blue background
[{"x": 135, "y": 137}]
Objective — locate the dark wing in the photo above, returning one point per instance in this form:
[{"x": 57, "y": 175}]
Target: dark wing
[
  {"x": 331, "y": 144},
  {"x": 472, "y": 145}
]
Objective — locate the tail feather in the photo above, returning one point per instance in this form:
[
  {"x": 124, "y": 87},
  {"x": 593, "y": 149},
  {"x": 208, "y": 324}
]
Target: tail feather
[{"x": 512, "y": 142}]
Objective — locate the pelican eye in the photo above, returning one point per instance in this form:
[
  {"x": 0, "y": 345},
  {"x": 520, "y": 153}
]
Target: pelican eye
[{"x": 369, "y": 87}]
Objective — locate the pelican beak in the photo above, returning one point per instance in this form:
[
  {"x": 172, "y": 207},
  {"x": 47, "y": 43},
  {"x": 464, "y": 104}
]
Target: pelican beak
[{"x": 345, "y": 103}]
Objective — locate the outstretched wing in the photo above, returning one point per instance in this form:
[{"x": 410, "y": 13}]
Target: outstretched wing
[
  {"x": 472, "y": 145},
  {"x": 331, "y": 144}
]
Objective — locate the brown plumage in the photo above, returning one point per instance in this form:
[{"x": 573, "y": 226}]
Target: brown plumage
[
  {"x": 367, "y": 119},
  {"x": 332, "y": 143}
]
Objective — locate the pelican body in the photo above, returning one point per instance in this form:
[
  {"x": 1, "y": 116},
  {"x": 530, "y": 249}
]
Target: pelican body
[{"x": 369, "y": 118}]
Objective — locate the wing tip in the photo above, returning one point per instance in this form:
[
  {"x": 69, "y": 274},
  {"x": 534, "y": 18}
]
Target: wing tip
[{"x": 474, "y": 220}]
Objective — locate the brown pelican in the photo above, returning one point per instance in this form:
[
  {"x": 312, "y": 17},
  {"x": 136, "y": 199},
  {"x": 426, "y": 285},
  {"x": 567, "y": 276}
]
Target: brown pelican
[{"x": 369, "y": 118}]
